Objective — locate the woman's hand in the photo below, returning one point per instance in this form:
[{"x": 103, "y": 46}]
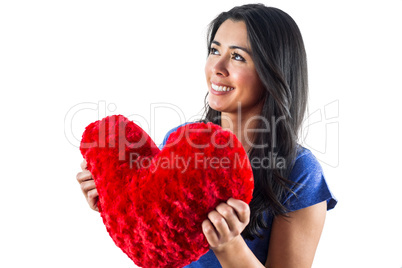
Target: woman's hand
[
  {"x": 225, "y": 224},
  {"x": 87, "y": 183}
]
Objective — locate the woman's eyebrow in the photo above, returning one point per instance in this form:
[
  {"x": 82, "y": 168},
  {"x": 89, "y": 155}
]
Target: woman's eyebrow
[{"x": 233, "y": 47}]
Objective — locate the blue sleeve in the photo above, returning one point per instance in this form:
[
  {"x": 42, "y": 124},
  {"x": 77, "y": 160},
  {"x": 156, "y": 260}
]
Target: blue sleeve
[
  {"x": 311, "y": 187},
  {"x": 168, "y": 134}
]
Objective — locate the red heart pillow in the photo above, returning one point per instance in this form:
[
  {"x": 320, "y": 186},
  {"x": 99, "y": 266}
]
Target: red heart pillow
[{"x": 153, "y": 201}]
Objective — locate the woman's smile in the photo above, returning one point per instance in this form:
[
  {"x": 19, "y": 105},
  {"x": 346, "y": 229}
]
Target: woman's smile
[{"x": 220, "y": 89}]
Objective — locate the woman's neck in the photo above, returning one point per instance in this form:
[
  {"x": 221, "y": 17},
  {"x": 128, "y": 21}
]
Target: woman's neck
[{"x": 242, "y": 124}]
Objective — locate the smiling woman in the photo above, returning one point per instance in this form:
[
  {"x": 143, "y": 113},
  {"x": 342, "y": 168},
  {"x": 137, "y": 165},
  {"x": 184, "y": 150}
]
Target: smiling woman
[
  {"x": 230, "y": 71},
  {"x": 258, "y": 53},
  {"x": 256, "y": 73}
]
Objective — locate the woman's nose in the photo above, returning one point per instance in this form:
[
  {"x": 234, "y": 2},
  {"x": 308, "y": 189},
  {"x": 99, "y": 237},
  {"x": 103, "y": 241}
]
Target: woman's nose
[{"x": 220, "y": 67}]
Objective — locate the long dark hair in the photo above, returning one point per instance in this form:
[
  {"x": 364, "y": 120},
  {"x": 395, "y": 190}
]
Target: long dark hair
[{"x": 280, "y": 60}]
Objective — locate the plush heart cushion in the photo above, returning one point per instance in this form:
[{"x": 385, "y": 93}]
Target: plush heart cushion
[{"x": 153, "y": 201}]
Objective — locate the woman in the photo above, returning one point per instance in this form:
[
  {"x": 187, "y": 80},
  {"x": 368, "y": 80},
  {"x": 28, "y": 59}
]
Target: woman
[{"x": 256, "y": 73}]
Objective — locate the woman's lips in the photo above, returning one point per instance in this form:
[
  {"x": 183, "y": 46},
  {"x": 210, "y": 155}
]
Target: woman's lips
[{"x": 220, "y": 89}]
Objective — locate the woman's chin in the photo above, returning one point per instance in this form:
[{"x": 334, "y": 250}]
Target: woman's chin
[{"x": 216, "y": 106}]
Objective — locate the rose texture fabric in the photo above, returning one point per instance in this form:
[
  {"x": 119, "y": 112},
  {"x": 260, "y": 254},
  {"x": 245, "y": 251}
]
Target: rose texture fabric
[{"x": 153, "y": 201}]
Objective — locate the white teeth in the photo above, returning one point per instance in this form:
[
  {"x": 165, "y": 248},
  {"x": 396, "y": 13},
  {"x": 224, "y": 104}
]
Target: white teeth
[{"x": 221, "y": 88}]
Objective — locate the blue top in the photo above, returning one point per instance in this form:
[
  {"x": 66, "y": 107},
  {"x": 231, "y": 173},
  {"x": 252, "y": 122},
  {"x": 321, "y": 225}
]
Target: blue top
[{"x": 311, "y": 189}]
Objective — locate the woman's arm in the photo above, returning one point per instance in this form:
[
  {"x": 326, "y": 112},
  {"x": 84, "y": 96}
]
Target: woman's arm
[
  {"x": 88, "y": 187},
  {"x": 222, "y": 230},
  {"x": 294, "y": 240}
]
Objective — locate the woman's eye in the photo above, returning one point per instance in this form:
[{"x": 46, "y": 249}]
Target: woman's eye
[
  {"x": 214, "y": 51},
  {"x": 236, "y": 56}
]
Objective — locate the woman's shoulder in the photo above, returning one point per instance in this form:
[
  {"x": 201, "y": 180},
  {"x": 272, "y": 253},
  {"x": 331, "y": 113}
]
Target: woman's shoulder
[
  {"x": 310, "y": 186},
  {"x": 173, "y": 130},
  {"x": 305, "y": 162}
]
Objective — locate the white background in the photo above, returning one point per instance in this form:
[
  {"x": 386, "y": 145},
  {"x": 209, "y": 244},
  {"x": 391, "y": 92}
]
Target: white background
[{"x": 60, "y": 59}]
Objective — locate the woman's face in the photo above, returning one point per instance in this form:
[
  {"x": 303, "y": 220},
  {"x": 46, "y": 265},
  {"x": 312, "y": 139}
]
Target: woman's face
[{"x": 230, "y": 71}]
